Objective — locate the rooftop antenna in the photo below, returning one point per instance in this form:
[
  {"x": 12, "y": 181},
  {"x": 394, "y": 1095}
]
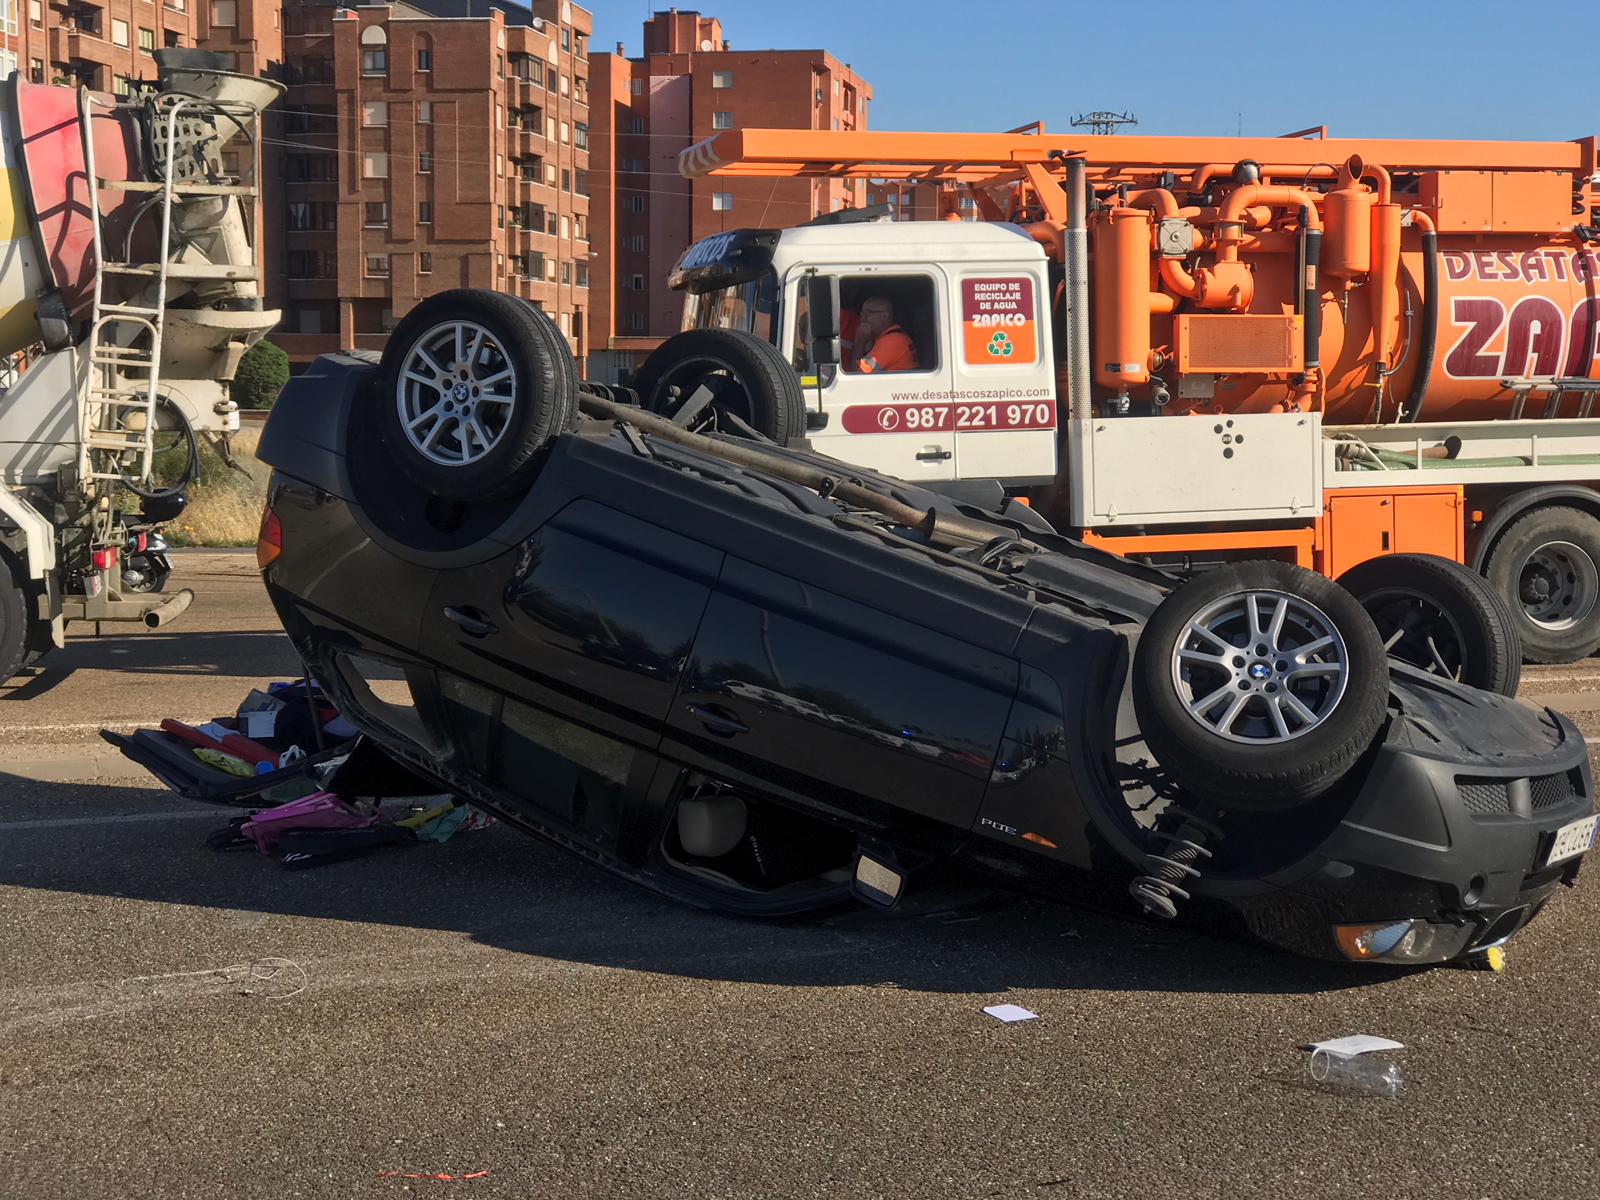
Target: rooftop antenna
[{"x": 1102, "y": 122}]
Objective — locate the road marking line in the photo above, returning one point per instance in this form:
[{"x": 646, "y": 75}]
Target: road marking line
[{"x": 122, "y": 819}]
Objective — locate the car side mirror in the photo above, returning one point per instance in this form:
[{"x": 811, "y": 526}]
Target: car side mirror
[{"x": 822, "y": 305}]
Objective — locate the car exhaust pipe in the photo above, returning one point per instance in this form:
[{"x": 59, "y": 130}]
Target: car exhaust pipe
[{"x": 169, "y": 610}]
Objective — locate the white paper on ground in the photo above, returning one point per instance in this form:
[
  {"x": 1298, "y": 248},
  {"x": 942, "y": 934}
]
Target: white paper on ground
[
  {"x": 1356, "y": 1043},
  {"x": 1009, "y": 1013}
]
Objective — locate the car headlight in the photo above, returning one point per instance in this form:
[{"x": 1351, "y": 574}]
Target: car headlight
[{"x": 1414, "y": 941}]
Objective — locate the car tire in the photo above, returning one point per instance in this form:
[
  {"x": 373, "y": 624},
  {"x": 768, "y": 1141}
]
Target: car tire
[
  {"x": 1220, "y": 636},
  {"x": 1546, "y": 568},
  {"x": 474, "y": 384},
  {"x": 1446, "y": 617},
  {"x": 749, "y": 380},
  {"x": 14, "y": 649}
]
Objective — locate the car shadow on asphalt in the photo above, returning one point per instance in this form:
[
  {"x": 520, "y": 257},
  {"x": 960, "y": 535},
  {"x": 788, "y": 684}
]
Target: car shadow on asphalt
[
  {"x": 507, "y": 890},
  {"x": 157, "y": 653}
]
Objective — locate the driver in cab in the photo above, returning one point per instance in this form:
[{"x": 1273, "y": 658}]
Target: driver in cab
[{"x": 881, "y": 345}]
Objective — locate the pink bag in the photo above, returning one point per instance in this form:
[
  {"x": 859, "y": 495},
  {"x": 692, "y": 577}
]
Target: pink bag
[{"x": 320, "y": 810}]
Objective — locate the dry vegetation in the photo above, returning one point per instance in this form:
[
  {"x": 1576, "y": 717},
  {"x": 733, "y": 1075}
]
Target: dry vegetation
[{"x": 225, "y": 505}]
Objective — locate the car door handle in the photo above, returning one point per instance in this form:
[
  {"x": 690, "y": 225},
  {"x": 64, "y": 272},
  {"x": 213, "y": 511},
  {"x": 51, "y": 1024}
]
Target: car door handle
[
  {"x": 472, "y": 622},
  {"x": 718, "y": 721},
  {"x": 934, "y": 455}
]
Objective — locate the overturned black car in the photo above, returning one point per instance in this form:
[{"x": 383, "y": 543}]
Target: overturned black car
[{"x": 753, "y": 679}]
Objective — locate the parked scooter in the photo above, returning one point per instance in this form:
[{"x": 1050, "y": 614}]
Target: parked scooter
[{"x": 145, "y": 565}]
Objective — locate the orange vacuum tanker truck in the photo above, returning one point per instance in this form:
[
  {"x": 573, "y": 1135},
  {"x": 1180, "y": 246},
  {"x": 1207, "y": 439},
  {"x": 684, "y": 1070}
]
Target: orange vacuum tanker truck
[
  {"x": 128, "y": 295},
  {"x": 1190, "y": 349}
]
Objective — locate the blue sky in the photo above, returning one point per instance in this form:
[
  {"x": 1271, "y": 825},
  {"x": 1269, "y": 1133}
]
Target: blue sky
[{"x": 1466, "y": 70}]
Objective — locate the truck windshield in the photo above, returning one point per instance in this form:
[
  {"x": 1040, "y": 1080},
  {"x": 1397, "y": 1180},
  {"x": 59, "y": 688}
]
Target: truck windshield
[{"x": 750, "y": 306}]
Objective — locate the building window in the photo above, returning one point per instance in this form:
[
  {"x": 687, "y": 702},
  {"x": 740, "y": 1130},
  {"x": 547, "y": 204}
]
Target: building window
[
  {"x": 634, "y": 243},
  {"x": 636, "y": 283},
  {"x": 424, "y": 59},
  {"x": 424, "y": 112},
  {"x": 121, "y": 85},
  {"x": 500, "y": 220},
  {"x": 374, "y": 112},
  {"x": 36, "y": 70},
  {"x": 375, "y": 166},
  {"x": 550, "y": 129},
  {"x": 119, "y": 32},
  {"x": 583, "y": 275},
  {"x": 550, "y": 226},
  {"x": 722, "y": 120},
  {"x": 566, "y": 38},
  {"x": 147, "y": 39},
  {"x": 722, "y": 79},
  {"x": 377, "y": 213},
  {"x": 500, "y": 66},
  {"x": 636, "y": 86},
  {"x": 549, "y": 174},
  {"x": 635, "y": 322},
  {"x": 566, "y": 180},
  {"x": 312, "y": 215},
  {"x": 36, "y": 14},
  {"x": 635, "y": 124},
  {"x": 375, "y": 61},
  {"x": 580, "y": 47},
  {"x": 425, "y": 263},
  {"x": 566, "y": 272},
  {"x": 563, "y": 85},
  {"x": 580, "y": 136},
  {"x": 425, "y": 212},
  {"x": 378, "y": 266},
  {"x": 425, "y": 163},
  {"x": 580, "y": 182},
  {"x": 224, "y": 12},
  {"x": 566, "y": 227},
  {"x": 721, "y": 201},
  {"x": 566, "y": 132},
  {"x": 634, "y": 204}
]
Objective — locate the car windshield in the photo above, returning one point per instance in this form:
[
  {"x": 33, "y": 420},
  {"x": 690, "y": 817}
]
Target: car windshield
[{"x": 750, "y": 306}]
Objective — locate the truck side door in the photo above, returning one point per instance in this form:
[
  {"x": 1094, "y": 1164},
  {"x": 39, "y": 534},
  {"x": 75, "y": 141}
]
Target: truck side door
[
  {"x": 896, "y": 421},
  {"x": 1004, "y": 378}
]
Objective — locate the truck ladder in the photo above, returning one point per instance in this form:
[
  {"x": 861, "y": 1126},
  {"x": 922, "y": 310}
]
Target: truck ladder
[
  {"x": 117, "y": 416},
  {"x": 1556, "y": 390}
]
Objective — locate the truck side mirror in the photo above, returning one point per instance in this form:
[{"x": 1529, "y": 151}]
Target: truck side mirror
[{"x": 822, "y": 305}]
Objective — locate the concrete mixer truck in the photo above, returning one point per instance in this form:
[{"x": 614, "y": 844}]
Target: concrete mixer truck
[
  {"x": 127, "y": 297},
  {"x": 1191, "y": 350}
]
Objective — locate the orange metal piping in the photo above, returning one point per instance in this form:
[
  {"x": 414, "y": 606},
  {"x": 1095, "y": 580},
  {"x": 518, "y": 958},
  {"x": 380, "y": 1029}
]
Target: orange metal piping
[{"x": 1242, "y": 198}]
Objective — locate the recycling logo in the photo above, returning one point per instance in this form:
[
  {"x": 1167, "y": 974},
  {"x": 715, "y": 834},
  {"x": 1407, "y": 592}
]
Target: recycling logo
[{"x": 999, "y": 345}]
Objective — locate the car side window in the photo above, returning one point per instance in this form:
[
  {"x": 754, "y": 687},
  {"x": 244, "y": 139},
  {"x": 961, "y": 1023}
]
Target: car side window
[{"x": 888, "y": 325}]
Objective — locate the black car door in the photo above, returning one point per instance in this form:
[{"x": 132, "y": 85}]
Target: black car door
[
  {"x": 560, "y": 658},
  {"x": 835, "y": 703}
]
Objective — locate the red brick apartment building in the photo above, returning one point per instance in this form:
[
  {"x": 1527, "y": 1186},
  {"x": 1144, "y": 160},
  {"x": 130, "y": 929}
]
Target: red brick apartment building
[
  {"x": 688, "y": 86},
  {"x": 425, "y": 146},
  {"x": 107, "y": 45}
]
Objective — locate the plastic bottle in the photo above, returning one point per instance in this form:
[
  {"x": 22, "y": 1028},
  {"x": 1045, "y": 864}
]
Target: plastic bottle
[{"x": 1364, "y": 1073}]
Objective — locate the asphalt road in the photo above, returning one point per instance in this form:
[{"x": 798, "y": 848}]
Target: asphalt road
[{"x": 175, "y": 1022}]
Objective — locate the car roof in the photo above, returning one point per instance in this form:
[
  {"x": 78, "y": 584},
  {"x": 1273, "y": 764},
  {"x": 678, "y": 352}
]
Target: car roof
[{"x": 933, "y": 240}]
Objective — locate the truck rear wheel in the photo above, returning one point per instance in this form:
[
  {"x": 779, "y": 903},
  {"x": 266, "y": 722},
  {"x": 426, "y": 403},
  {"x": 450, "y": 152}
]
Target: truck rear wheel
[
  {"x": 1258, "y": 685},
  {"x": 474, "y": 385},
  {"x": 13, "y": 620},
  {"x": 1546, "y": 566},
  {"x": 1440, "y": 617},
  {"x": 746, "y": 377}
]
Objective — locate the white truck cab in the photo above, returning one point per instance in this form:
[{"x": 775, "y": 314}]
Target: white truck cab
[{"x": 979, "y": 401}]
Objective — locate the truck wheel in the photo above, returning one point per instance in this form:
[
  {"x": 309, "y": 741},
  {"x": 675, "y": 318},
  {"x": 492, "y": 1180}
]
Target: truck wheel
[
  {"x": 1258, "y": 685},
  {"x": 474, "y": 384},
  {"x": 1441, "y": 617},
  {"x": 747, "y": 378},
  {"x": 13, "y": 621},
  {"x": 1546, "y": 566}
]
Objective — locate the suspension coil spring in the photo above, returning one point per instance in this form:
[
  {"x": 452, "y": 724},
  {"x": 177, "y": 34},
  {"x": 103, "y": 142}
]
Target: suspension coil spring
[{"x": 1180, "y": 835}]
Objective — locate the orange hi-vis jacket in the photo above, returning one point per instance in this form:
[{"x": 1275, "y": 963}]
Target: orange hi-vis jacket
[{"x": 892, "y": 350}]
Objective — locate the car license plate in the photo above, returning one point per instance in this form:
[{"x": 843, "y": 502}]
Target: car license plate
[{"x": 1572, "y": 839}]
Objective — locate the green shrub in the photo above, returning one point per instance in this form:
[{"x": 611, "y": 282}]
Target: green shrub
[{"x": 263, "y": 371}]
